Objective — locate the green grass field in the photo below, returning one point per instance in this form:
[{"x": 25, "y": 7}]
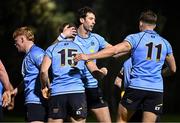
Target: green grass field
[
  {"x": 18, "y": 117},
  {"x": 91, "y": 118}
]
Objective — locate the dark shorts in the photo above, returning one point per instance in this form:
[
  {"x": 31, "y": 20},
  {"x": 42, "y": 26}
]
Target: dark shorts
[
  {"x": 62, "y": 106},
  {"x": 95, "y": 98},
  {"x": 35, "y": 112},
  {"x": 135, "y": 99}
]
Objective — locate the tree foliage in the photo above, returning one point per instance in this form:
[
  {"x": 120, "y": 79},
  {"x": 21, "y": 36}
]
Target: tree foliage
[{"x": 44, "y": 16}]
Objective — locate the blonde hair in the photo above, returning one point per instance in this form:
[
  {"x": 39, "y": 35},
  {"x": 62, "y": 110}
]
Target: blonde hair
[{"x": 24, "y": 31}]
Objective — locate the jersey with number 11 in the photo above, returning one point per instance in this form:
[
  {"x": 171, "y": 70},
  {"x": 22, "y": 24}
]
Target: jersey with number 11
[{"x": 149, "y": 51}]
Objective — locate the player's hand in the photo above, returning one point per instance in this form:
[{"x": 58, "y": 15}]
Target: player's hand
[
  {"x": 79, "y": 57},
  {"x": 11, "y": 104},
  {"x": 45, "y": 92},
  {"x": 69, "y": 32},
  {"x": 104, "y": 70},
  {"x": 6, "y": 98},
  {"x": 14, "y": 92}
]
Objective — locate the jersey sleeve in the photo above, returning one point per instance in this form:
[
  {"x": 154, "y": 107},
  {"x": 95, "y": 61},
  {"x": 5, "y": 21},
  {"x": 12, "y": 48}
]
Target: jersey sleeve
[
  {"x": 61, "y": 37},
  {"x": 102, "y": 42},
  {"x": 134, "y": 39},
  {"x": 38, "y": 57},
  {"x": 130, "y": 39},
  {"x": 49, "y": 52},
  {"x": 169, "y": 48}
]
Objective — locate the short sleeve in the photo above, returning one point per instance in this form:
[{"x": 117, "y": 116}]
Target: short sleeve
[
  {"x": 102, "y": 42},
  {"x": 130, "y": 39},
  {"x": 48, "y": 52},
  {"x": 39, "y": 59},
  {"x": 37, "y": 56},
  {"x": 169, "y": 48}
]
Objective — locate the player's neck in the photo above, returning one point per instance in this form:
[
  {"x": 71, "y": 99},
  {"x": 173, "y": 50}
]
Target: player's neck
[
  {"x": 28, "y": 46},
  {"x": 82, "y": 32},
  {"x": 148, "y": 27}
]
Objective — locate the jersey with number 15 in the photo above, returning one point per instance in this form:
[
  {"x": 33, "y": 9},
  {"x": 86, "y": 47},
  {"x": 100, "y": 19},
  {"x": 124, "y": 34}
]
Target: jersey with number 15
[{"x": 67, "y": 74}]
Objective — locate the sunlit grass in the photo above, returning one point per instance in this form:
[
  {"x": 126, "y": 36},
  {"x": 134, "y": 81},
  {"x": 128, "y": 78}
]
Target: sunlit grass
[{"x": 91, "y": 118}]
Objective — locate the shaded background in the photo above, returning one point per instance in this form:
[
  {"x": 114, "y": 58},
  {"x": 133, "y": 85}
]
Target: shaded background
[{"x": 114, "y": 21}]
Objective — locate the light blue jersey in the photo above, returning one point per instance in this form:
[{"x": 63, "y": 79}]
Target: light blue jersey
[
  {"x": 149, "y": 51},
  {"x": 66, "y": 74},
  {"x": 30, "y": 71},
  {"x": 1, "y": 92},
  {"x": 93, "y": 43},
  {"x": 127, "y": 67}
]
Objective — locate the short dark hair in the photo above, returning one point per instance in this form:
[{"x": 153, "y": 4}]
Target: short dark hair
[
  {"x": 82, "y": 13},
  {"x": 148, "y": 16}
]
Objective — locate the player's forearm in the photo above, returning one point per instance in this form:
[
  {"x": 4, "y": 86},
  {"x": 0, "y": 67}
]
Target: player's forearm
[
  {"x": 44, "y": 78},
  {"x": 95, "y": 71},
  {"x": 93, "y": 67},
  {"x": 102, "y": 54},
  {"x": 5, "y": 80},
  {"x": 171, "y": 64},
  {"x": 121, "y": 48}
]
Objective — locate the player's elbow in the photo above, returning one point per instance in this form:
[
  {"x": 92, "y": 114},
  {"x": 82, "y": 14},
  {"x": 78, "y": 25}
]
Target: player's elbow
[{"x": 173, "y": 70}]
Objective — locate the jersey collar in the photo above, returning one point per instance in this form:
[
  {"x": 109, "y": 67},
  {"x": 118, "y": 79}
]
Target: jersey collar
[
  {"x": 89, "y": 34},
  {"x": 150, "y": 31}
]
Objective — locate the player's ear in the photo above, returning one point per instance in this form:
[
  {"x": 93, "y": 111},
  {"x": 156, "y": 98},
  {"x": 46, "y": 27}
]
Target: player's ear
[
  {"x": 22, "y": 39},
  {"x": 82, "y": 20},
  {"x": 140, "y": 23}
]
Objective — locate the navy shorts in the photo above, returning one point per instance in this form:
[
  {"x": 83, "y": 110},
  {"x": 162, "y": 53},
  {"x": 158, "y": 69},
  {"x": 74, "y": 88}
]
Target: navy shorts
[
  {"x": 150, "y": 101},
  {"x": 95, "y": 98},
  {"x": 73, "y": 105},
  {"x": 36, "y": 112}
]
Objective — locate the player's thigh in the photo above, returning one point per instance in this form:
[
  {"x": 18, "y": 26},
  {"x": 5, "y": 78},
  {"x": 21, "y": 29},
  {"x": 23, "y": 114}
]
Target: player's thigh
[
  {"x": 77, "y": 107},
  {"x": 57, "y": 108},
  {"x": 132, "y": 99},
  {"x": 95, "y": 98},
  {"x": 153, "y": 102},
  {"x": 35, "y": 112}
]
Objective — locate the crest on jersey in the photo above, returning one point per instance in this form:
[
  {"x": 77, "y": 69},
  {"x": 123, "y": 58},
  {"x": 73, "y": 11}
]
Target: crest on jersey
[{"x": 92, "y": 43}]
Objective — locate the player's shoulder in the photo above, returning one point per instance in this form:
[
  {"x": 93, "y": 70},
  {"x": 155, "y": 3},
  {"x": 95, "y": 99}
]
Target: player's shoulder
[
  {"x": 96, "y": 35},
  {"x": 163, "y": 39},
  {"x": 135, "y": 35},
  {"x": 37, "y": 50},
  {"x": 52, "y": 46},
  {"x": 138, "y": 34}
]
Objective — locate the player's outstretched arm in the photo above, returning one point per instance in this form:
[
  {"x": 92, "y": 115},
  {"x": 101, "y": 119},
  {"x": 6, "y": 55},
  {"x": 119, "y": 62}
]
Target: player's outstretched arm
[{"x": 123, "y": 47}]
